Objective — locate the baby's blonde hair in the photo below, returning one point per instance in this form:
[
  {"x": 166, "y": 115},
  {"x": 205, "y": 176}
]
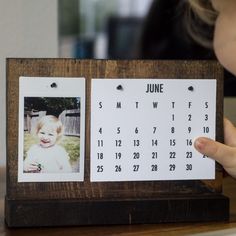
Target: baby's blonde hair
[
  {"x": 52, "y": 121},
  {"x": 200, "y": 17}
]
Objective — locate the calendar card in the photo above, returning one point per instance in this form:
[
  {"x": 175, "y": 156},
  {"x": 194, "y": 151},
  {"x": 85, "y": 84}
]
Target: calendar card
[
  {"x": 144, "y": 129},
  {"x": 51, "y": 129}
]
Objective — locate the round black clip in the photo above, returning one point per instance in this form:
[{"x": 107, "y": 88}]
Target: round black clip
[
  {"x": 119, "y": 87},
  {"x": 53, "y": 85},
  {"x": 190, "y": 88}
]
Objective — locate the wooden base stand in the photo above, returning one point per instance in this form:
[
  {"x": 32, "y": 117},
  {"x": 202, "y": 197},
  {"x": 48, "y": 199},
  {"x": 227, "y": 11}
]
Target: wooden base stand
[{"x": 30, "y": 213}]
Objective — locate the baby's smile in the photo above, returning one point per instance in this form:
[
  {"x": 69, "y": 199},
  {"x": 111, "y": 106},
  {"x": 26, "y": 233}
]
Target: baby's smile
[{"x": 45, "y": 141}]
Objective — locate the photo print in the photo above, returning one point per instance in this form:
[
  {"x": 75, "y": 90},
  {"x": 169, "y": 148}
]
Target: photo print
[{"x": 51, "y": 129}]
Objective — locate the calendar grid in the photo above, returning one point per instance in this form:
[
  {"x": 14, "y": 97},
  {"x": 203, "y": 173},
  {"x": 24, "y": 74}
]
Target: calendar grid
[{"x": 146, "y": 131}]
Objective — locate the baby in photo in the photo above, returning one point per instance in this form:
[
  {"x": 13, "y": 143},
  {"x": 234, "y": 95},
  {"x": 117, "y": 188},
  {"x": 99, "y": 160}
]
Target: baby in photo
[{"x": 47, "y": 156}]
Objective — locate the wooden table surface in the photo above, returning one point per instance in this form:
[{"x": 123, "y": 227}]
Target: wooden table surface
[{"x": 212, "y": 228}]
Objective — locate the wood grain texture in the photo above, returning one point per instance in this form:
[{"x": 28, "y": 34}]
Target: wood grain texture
[
  {"x": 30, "y": 213},
  {"x": 172, "y": 229},
  {"x": 104, "y": 69}
]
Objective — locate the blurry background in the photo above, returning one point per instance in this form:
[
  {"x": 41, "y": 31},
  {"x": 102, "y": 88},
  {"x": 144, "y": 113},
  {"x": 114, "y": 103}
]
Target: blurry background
[
  {"x": 28, "y": 28},
  {"x": 102, "y": 29}
]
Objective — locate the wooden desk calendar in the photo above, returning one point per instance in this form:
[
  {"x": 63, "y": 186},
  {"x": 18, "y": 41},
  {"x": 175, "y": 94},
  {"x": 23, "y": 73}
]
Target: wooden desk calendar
[{"x": 132, "y": 174}]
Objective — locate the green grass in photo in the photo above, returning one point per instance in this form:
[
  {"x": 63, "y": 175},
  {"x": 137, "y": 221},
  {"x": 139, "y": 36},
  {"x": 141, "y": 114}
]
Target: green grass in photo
[{"x": 72, "y": 146}]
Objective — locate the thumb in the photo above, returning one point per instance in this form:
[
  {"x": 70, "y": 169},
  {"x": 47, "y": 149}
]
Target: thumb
[{"x": 223, "y": 154}]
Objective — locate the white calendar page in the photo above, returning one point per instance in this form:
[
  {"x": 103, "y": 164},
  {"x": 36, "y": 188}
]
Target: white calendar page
[{"x": 144, "y": 129}]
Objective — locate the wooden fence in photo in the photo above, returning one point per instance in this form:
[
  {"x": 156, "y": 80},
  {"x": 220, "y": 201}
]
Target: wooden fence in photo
[
  {"x": 69, "y": 118},
  {"x": 31, "y": 119},
  {"x": 71, "y": 121}
]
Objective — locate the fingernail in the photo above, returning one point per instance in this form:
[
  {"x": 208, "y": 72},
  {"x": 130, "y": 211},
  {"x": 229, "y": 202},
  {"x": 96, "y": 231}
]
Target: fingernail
[{"x": 200, "y": 144}]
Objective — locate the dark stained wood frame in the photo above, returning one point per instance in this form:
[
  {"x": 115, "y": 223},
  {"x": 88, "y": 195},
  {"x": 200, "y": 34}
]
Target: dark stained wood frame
[{"x": 83, "y": 203}]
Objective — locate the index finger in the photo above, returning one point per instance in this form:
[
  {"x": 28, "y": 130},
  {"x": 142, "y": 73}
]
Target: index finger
[{"x": 222, "y": 153}]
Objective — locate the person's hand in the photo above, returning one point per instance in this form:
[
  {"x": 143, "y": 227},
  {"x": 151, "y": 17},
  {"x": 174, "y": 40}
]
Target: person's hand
[
  {"x": 225, "y": 154},
  {"x": 34, "y": 167}
]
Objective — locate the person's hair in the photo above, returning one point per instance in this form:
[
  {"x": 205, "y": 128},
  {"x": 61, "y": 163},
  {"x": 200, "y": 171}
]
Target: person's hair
[
  {"x": 200, "y": 20},
  {"x": 52, "y": 121}
]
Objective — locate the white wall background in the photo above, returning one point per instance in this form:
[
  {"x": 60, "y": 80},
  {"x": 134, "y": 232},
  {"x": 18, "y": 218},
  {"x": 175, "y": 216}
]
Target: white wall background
[
  {"x": 28, "y": 28},
  {"x": 133, "y": 7}
]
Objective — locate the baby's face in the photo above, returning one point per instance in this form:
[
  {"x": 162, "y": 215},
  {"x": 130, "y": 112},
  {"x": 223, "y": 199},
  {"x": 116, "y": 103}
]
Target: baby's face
[{"x": 47, "y": 136}]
